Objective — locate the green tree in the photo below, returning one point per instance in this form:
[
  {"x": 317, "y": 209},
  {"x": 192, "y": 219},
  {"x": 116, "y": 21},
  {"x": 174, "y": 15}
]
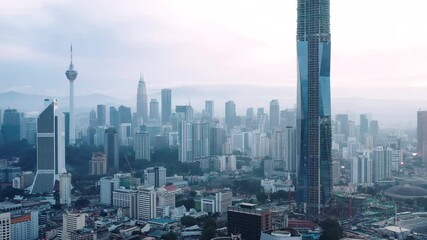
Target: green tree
[
  {"x": 169, "y": 236},
  {"x": 208, "y": 233},
  {"x": 261, "y": 197},
  {"x": 188, "y": 221},
  {"x": 188, "y": 203},
  {"x": 331, "y": 230},
  {"x": 81, "y": 203},
  {"x": 10, "y": 192}
]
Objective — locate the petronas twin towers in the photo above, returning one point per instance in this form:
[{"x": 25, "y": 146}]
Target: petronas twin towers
[{"x": 314, "y": 105}]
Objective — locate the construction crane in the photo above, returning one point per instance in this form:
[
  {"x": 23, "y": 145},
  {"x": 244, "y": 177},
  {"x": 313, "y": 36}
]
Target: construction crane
[{"x": 130, "y": 167}]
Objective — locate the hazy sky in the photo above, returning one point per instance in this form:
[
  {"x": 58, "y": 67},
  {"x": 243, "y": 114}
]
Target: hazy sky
[{"x": 379, "y": 47}]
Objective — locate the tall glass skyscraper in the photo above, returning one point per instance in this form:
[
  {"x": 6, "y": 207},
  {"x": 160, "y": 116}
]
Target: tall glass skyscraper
[
  {"x": 314, "y": 105},
  {"x": 50, "y": 148}
]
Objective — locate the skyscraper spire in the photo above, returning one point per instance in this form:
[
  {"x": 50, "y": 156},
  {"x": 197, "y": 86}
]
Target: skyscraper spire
[{"x": 141, "y": 99}]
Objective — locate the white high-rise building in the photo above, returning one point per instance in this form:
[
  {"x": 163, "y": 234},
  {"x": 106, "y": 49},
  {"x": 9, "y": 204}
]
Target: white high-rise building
[
  {"x": 185, "y": 148},
  {"x": 72, "y": 221},
  {"x": 71, "y": 76},
  {"x": 126, "y": 198},
  {"x": 155, "y": 176},
  {"x": 141, "y": 146},
  {"x": 274, "y": 114},
  {"x": 5, "y": 226},
  {"x": 125, "y": 134},
  {"x": 361, "y": 170},
  {"x": 25, "y": 226},
  {"x": 147, "y": 203},
  {"x": 238, "y": 141},
  {"x": 382, "y": 163},
  {"x": 50, "y": 148},
  {"x": 218, "y": 203},
  {"x": 65, "y": 189},
  {"x": 107, "y": 185},
  {"x": 290, "y": 140}
]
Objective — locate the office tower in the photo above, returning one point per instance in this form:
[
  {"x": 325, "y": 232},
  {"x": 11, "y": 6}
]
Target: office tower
[
  {"x": 248, "y": 221},
  {"x": 65, "y": 189},
  {"x": 422, "y": 135},
  {"x": 274, "y": 114},
  {"x": 185, "y": 148},
  {"x": 230, "y": 115},
  {"x": 111, "y": 148},
  {"x": 200, "y": 139},
  {"x": 218, "y": 203},
  {"x": 364, "y": 127},
  {"x": 250, "y": 119},
  {"x": 67, "y": 128},
  {"x": 166, "y": 198},
  {"x": 126, "y": 198},
  {"x": 125, "y": 114},
  {"x": 260, "y": 147},
  {"x": 98, "y": 164},
  {"x": 101, "y": 115},
  {"x": 10, "y": 130},
  {"x": 166, "y": 106},
  {"x": 259, "y": 112},
  {"x": 336, "y": 172},
  {"x": 50, "y": 148},
  {"x": 141, "y": 146},
  {"x": 288, "y": 117},
  {"x": 263, "y": 123},
  {"x": 250, "y": 113},
  {"x": 71, "y": 76},
  {"x": 92, "y": 118},
  {"x": 184, "y": 113},
  {"x": 24, "y": 225},
  {"x": 155, "y": 176},
  {"x": 72, "y": 221},
  {"x": 154, "y": 110},
  {"x": 278, "y": 145},
  {"x": 28, "y": 130},
  {"x": 106, "y": 187},
  {"x": 217, "y": 139},
  {"x": 382, "y": 163},
  {"x": 114, "y": 118},
  {"x": 209, "y": 109},
  {"x": 361, "y": 170},
  {"x": 125, "y": 134},
  {"x": 314, "y": 105},
  {"x": 141, "y": 100},
  {"x": 223, "y": 199},
  {"x": 342, "y": 120},
  {"x": 5, "y": 226},
  {"x": 290, "y": 149},
  {"x": 146, "y": 203},
  {"x": 237, "y": 141},
  {"x": 374, "y": 127}
]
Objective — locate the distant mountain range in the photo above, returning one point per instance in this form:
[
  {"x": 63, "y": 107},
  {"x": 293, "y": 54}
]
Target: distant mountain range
[{"x": 390, "y": 113}]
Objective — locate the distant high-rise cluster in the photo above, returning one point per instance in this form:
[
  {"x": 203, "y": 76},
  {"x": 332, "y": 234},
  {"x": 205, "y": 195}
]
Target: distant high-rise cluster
[{"x": 422, "y": 135}]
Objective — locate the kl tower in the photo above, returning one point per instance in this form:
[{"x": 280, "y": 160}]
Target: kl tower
[{"x": 71, "y": 75}]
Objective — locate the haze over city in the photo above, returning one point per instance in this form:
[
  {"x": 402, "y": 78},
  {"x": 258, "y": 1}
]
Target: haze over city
[
  {"x": 213, "y": 120},
  {"x": 236, "y": 46}
]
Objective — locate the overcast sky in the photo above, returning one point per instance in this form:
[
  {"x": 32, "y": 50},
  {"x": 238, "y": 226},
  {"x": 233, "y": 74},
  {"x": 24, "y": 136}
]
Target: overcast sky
[{"x": 379, "y": 47}]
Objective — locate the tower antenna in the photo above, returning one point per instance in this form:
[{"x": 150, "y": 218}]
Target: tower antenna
[{"x": 71, "y": 50}]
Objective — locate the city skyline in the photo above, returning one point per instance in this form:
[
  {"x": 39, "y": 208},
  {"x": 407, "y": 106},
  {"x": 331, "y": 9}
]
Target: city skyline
[{"x": 263, "y": 48}]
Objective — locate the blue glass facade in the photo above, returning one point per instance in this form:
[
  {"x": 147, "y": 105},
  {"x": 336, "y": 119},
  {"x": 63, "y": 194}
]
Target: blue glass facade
[{"x": 314, "y": 105}]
